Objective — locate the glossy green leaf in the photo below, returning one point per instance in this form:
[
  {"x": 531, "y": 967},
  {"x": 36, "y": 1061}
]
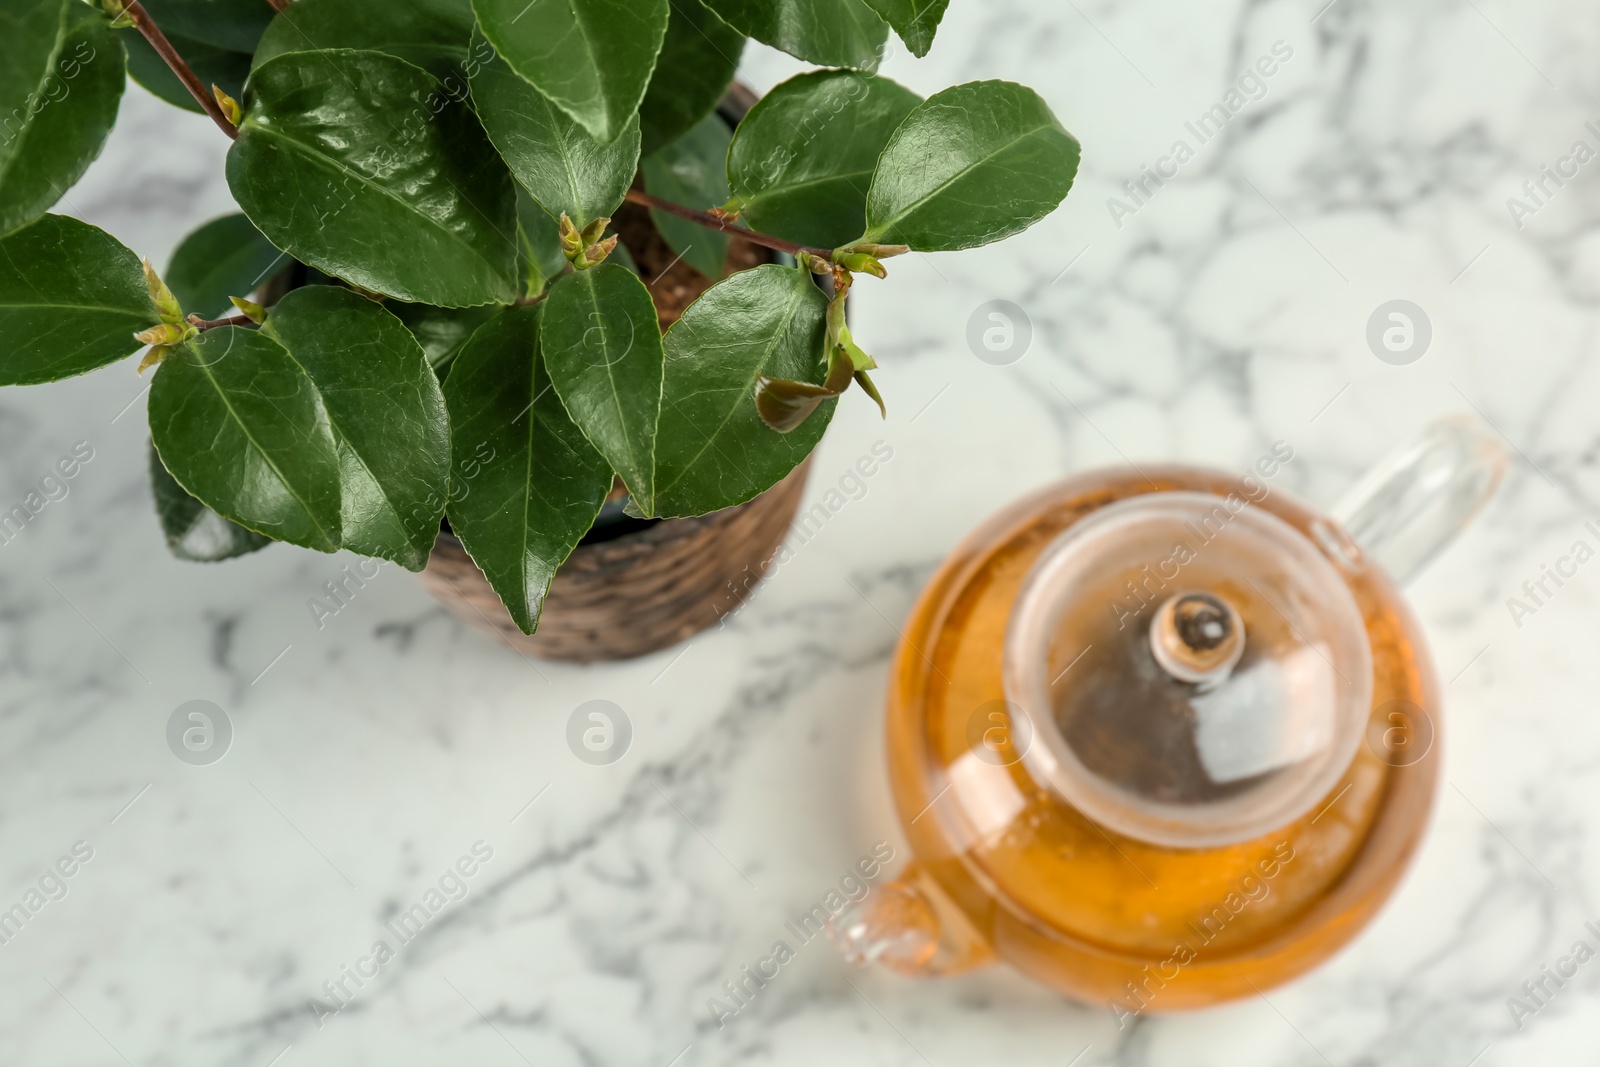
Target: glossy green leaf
[
  {"x": 71, "y": 299},
  {"x": 60, "y": 84},
  {"x": 212, "y": 65},
  {"x": 555, "y": 159},
  {"x": 433, "y": 34},
  {"x": 697, "y": 64},
  {"x": 239, "y": 425},
  {"x": 602, "y": 345},
  {"x": 802, "y": 160},
  {"x": 974, "y": 164},
  {"x": 693, "y": 171},
  {"x": 193, "y": 531},
  {"x": 225, "y": 257},
  {"x": 916, "y": 21},
  {"x": 521, "y": 511},
  {"x": 442, "y": 332},
  {"x": 712, "y": 449},
  {"x": 593, "y": 58},
  {"x": 387, "y": 414},
  {"x": 361, "y": 165},
  {"x": 540, "y": 259},
  {"x": 832, "y": 33}
]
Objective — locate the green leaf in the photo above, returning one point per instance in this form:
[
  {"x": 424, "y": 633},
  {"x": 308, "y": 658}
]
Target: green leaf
[
  {"x": 527, "y": 485},
  {"x": 602, "y": 345},
  {"x": 433, "y": 34},
  {"x": 697, "y": 64},
  {"x": 239, "y": 425},
  {"x": 712, "y": 449},
  {"x": 832, "y": 33},
  {"x": 803, "y": 158},
  {"x": 972, "y": 165},
  {"x": 359, "y": 164},
  {"x": 540, "y": 258},
  {"x": 442, "y": 332},
  {"x": 693, "y": 171},
  {"x": 233, "y": 25},
  {"x": 387, "y": 414},
  {"x": 556, "y": 160},
  {"x": 212, "y": 65},
  {"x": 193, "y": 531},
  {"x": 71, "y": 299},
  {"x": 916, "y": 21},
  {"x": 59, "y": 88},
  {"x": 593, "y": 58},
  {"x": 225, "y": 257}
]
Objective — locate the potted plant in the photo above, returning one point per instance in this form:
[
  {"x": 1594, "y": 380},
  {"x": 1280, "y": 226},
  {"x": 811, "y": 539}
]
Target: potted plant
[{"x": 481, "y": 290}]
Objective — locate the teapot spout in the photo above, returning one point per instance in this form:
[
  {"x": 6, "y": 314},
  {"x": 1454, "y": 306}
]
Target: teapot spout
[
  {"x": 1405, "y": 510},
  {"x": 908, "y": 926}
]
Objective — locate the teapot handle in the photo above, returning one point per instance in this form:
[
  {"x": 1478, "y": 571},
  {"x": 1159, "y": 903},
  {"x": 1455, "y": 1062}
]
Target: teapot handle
[{"x": 1406, "y": 509}]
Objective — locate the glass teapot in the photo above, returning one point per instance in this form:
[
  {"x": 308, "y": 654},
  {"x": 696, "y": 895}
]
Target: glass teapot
[{"x": 1159, "y": 738}]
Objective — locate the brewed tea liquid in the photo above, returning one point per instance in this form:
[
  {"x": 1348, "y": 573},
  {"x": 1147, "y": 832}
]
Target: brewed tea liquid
[{"x": 1092, "y": 912}]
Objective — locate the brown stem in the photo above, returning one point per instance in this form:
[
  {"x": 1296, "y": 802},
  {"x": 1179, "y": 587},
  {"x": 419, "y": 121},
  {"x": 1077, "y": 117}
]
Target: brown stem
[
  {"x": 279, "y": 5},
  {"x": 158, "y": 40},
  {"x": 211, "y": 324},
  {"x": 714, "y": 222}
]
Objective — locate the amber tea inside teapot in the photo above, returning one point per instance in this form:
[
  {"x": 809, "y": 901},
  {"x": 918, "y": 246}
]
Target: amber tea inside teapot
[{"x": 1166, "y": 736}]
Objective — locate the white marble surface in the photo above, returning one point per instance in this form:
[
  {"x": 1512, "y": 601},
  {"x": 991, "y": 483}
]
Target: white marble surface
[{"x": 1227, "y": 313}]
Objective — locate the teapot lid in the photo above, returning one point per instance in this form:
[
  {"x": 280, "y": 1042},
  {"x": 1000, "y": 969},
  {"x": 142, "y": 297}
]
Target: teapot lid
[{"x": 1195, "y": 671}]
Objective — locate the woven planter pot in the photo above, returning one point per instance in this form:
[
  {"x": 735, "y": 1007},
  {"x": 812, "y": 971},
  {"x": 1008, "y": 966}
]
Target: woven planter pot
[{"x": 636, "y": 593}]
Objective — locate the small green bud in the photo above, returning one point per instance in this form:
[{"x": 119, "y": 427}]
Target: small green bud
[
  {"x": 584, "y": 248},
  {"x": 859, "y": 360},
  {"x": 595, "y": 254},
  {"x": 861, "y": 263},
  {"x": 118, "y": 10},
  {"x": 168, "y": 333},
  {"x": 230, "y": 106},
  {"x": 155, "y": 355},
  {"x": 814, "y": 264},
  {"x": 872, "y": 391},
  {"x": 250, "y": 309},
  {"x": 162, "y": 339},
  {"x": 161, "y": 296},
  {"x": 878, "y": 251},
  {"x": 571, "y": 239}
]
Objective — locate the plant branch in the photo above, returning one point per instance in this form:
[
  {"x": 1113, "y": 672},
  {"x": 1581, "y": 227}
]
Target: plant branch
[
  {"x": 714, "y": 222},
  {"x": 211, "y": 324},
  {"x": 158, "y": 40},
  {"x": 279, "y": 5}
]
